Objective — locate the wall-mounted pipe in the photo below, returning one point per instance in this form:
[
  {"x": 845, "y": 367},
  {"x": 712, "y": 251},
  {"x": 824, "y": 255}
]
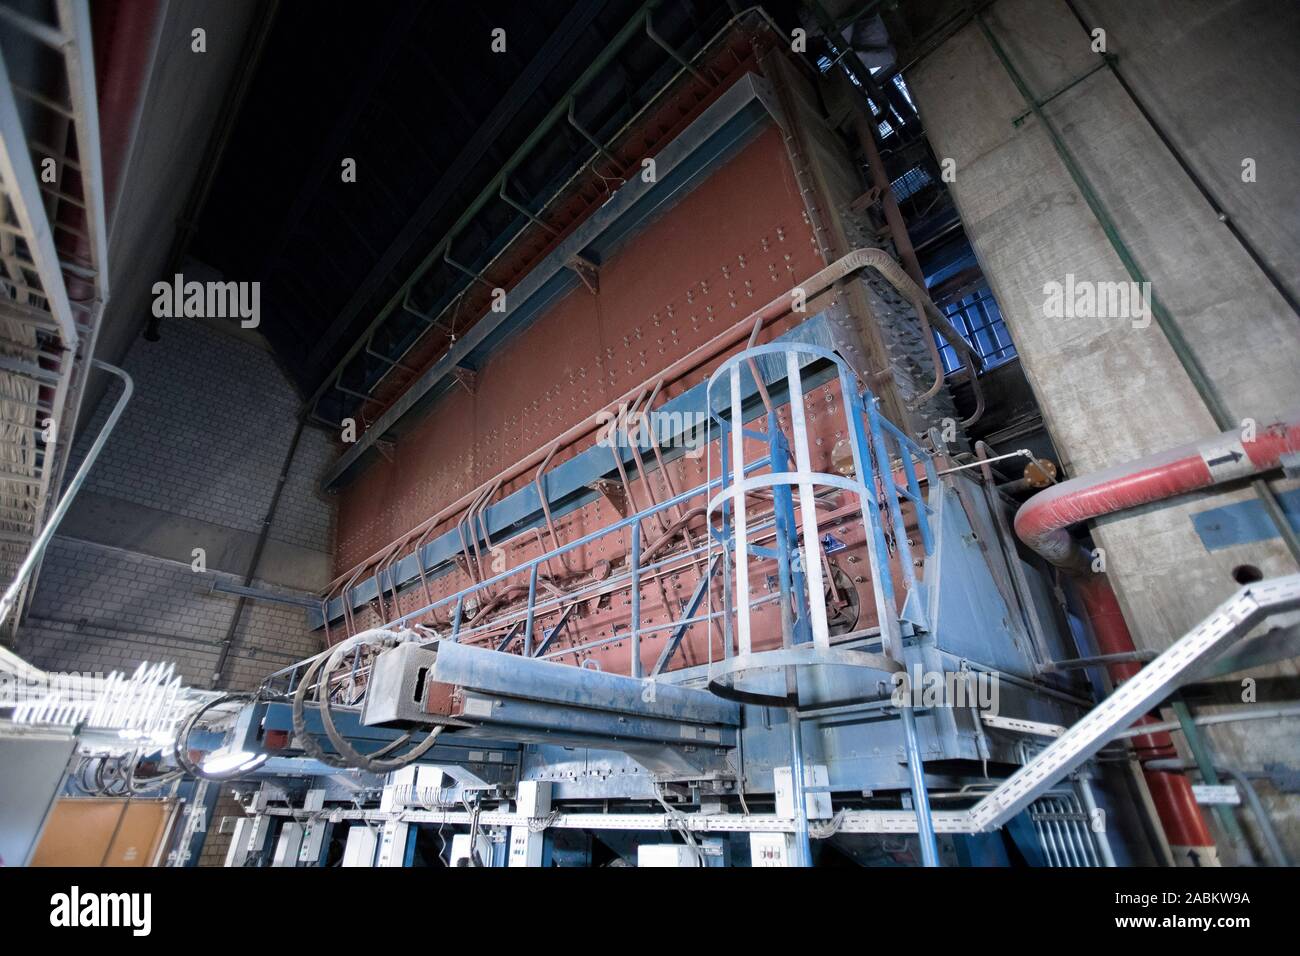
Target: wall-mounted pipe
[
  {"x": 1171, "y": 792},
  {"x": 10, "y": 597},
  {"x": 1271, "y": 842},
  {"x": 1042, "y": 521}
]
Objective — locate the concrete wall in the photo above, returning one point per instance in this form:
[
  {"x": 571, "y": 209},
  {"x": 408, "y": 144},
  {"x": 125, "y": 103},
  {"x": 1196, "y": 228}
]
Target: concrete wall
[
  {"x": 1221, "y": 78},
  {"x": 193, "y": 463},
  {"x": 183, "y": 98}
]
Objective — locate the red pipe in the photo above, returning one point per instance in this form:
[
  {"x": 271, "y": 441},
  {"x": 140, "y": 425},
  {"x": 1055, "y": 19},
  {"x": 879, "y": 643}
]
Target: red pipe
[
  {"x": 124, "y": 48},
  {"x": 1171, "y": 792},
  {"x": 1041, "y": 521}
]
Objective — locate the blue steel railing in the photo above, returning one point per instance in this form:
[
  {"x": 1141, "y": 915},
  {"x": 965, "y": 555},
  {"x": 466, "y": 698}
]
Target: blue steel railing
[
  {"x": 534, "y": 607},
  {"x": 883, "y": 431}
]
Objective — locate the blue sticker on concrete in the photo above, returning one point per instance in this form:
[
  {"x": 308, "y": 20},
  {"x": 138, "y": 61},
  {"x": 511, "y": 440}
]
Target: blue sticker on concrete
[{"x": 1243, "y": 523}]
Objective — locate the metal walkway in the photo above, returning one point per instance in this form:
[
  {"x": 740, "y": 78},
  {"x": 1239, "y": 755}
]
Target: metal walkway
[
  {"x": 1232, "y": 620},
  {"x": 53, "y": 281}
]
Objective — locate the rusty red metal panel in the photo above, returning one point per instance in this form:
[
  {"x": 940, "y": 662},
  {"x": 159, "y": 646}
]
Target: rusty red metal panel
[
  {"x": 731, "y": 245},
  {"x": 737, "y": 241}
]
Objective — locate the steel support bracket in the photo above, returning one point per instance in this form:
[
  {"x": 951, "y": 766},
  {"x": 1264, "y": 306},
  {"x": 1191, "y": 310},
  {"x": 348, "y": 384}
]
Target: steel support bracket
[
  {"x": 587, "y": 271},
  {"x": 466, "y": 378},
  {"x": 614, "y": 493}
]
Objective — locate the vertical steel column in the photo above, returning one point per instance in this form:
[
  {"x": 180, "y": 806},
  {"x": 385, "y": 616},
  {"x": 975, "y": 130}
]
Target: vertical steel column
[
  {"x": 918, "y": 500},
  {"x": 811, "y": 550},
  {"x": 532, "y": 601},
  {"x": 636, "y": 599},
  {"x": 920, "y": 798},
  {"x": 783, "y": 518},
  {"x": 882, "y": 582},
  {"x": 803, "y": 845},
  {"x": 891, "y": 494},
  {"x": 740, "y": 599}
]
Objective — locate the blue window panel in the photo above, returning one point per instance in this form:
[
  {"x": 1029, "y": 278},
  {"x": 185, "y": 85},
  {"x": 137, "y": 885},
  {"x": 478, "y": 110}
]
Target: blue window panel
[{"x": 979, "y": 321}]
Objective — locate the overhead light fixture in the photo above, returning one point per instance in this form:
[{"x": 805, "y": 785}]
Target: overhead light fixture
[{"x": 224, "y": 761}]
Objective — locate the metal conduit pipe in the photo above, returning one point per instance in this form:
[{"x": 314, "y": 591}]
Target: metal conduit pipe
[
  {"x": 663, "y": 468},
  {"x": 9, "y": 661},
  {"x": 811, "y": 287},
  {"x": 543, "y": 498},
  {"x": 1209, "y": 720},
  {"x": 462, "y": 526},
  {"x": 1271, "y": 842},
  {"x": 384, "y": 567},
  {"x": 476, "y": 530},
  {"x": 1191, "y": 363}
]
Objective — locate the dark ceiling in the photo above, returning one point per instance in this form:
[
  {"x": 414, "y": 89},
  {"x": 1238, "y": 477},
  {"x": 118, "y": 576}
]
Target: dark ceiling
[{"x": 413, "y": 93}]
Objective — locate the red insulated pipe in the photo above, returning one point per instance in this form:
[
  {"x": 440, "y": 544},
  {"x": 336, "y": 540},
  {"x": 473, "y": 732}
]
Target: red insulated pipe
[
  {"x": 1171, "y": 792},
  {"x": 1041, "y": 521},
  {"x": 124, "y": 47}
]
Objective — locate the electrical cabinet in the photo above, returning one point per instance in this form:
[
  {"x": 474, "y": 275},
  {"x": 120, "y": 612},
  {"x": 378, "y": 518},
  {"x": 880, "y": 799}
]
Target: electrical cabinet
[
  {"x": 667, "y": 854},
  {"x": 817, "y": 802},
  {"x": 771, "y": 849},
  {"x": 526, "y": 847},
  {"x": 392, "y": 843},
  {"x": 360, "y": 847},
  {"x": 533, "y": 798}
]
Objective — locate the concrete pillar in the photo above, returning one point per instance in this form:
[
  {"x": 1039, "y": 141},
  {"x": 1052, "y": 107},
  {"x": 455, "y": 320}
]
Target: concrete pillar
[{"x": 1221, "y": 79}]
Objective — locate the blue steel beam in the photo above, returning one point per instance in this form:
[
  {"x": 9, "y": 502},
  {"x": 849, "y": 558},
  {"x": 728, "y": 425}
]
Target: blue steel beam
[
  {"x": 599, "y": 727},
  {"x": 279, "y": 716},
  {"x": 482, "y": 669},
  {"x": 693, "y": 605}
]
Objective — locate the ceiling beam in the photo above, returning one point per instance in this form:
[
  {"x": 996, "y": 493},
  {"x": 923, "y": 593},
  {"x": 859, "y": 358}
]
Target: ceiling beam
[
  {"x": 553, "y": 52},
  {"x": 330, "y": 154}
]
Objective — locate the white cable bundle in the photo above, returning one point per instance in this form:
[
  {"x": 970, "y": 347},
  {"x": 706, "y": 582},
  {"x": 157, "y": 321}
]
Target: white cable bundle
[{"x": 18, "y": 425}]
